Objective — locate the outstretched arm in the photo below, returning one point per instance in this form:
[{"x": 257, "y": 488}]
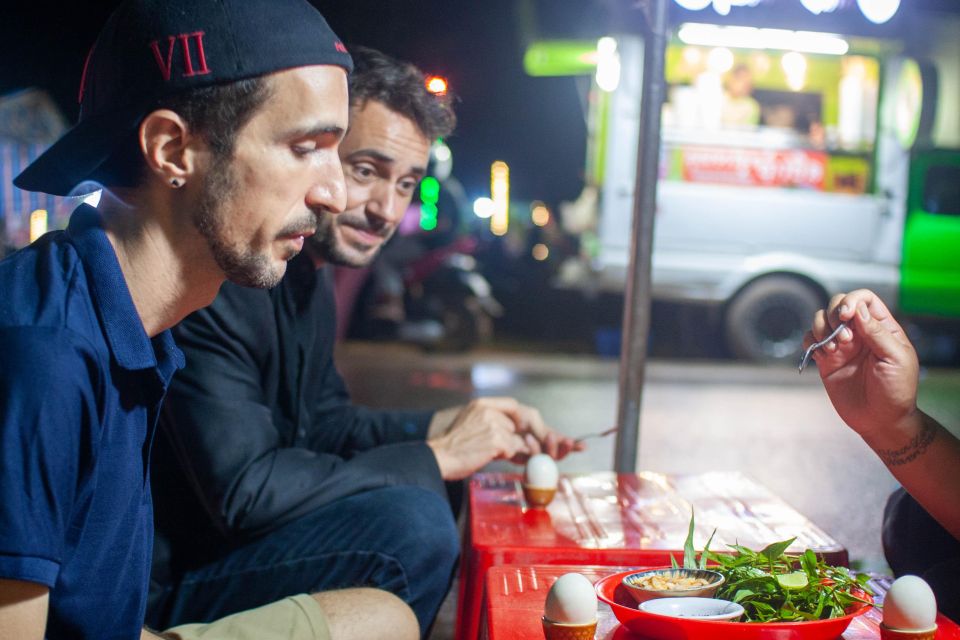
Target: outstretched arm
[{"x": 871, "y": 373}]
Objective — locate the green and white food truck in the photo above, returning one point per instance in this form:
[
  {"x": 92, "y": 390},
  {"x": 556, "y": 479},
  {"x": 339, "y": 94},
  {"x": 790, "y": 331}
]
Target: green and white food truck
[{"x": 794, "y": 165}]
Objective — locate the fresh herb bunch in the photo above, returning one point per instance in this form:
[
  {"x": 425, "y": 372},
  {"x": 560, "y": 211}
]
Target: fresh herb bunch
[{"x": 773, "y": 586}]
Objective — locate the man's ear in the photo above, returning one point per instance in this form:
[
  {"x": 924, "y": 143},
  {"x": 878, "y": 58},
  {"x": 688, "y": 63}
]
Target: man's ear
[{"x": 168, "y": 146}]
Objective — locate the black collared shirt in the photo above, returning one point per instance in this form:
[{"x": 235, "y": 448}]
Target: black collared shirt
[{"x": 259, "y": 428}]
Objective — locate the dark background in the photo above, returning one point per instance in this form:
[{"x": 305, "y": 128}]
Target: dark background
[{"x": 534, "y": 124}]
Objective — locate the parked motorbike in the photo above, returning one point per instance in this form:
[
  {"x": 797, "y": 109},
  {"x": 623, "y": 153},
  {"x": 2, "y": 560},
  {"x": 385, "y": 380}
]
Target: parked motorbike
[{"x": 429, "y": 294}]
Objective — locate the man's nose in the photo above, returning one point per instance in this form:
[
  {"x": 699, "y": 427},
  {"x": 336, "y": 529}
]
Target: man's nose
[
  {"x": 329, "y": 191},
  {"x": 383, "y": 203}
]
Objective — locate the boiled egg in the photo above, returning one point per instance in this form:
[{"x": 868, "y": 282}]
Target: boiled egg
[
  {"x": 910, "y": 605},
  {"x": 541, "y": 472},
  {"x": 571, "y": 600}
]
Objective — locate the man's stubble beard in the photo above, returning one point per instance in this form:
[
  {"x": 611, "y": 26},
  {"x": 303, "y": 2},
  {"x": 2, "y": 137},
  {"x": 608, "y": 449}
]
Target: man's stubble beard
[
  {"x": 326, "y": 246},
  {"x": 242, "y": 267}
]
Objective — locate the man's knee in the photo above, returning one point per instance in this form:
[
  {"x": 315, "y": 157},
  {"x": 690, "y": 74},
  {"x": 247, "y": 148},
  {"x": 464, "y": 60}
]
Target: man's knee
[
  {"x": 367, "y": 613},
  {"x": 428, "y": 523}
]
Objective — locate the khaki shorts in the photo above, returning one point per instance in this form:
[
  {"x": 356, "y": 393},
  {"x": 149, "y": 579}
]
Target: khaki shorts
[{"x": 295, "y": 618}]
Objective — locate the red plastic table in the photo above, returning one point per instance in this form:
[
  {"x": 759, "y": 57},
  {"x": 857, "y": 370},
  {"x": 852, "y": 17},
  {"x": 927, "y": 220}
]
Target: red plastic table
[
  {"x": 627, "y": 519},
  {"x": 515, "y": 597}
]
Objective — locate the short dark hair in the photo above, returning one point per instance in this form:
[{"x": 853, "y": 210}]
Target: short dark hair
[
  {"x": 401, "y": 87},
  {"x": 216, "y": 112}
]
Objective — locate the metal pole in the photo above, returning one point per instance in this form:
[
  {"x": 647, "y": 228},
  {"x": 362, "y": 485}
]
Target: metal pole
[{"x": 636, "y": 310}]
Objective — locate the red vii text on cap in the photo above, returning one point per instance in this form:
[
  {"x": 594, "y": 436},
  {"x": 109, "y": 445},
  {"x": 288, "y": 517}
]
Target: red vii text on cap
[{"x": 184, "y": 39}]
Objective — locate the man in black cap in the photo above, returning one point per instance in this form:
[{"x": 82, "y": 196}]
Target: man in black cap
[{"x": 216, "y": 142}]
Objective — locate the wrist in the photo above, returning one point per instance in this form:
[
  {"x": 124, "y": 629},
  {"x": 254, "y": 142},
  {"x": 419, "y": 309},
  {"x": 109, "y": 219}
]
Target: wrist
[
  {"x": 441, "y": 455},
  {"x": 904, "y": 441}
]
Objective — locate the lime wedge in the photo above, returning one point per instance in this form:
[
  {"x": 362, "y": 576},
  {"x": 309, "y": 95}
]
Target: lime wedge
[{"x": 795, "y": 580}]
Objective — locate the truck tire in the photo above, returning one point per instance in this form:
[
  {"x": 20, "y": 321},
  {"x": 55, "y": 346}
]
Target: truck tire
[{"x": 766, "y": 321}]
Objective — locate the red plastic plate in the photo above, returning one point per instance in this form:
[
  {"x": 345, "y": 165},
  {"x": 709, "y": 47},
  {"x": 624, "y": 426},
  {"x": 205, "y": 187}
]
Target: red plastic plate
[{"x": 657, "y": 627}]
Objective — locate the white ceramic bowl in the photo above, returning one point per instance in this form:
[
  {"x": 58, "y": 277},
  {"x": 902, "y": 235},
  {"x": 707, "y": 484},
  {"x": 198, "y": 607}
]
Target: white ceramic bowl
[{"x": 699, "y": 608}]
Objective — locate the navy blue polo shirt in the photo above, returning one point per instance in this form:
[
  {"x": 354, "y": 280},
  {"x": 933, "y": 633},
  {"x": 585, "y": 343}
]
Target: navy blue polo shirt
[{"x": 80, "y": 388}]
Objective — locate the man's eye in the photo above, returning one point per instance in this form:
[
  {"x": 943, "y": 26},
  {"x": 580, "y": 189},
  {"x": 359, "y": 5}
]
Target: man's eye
[
  {"x": 408, "y": 186},
  {"x": 303, "y": 149},
  {"x": 363, "y": 172}
]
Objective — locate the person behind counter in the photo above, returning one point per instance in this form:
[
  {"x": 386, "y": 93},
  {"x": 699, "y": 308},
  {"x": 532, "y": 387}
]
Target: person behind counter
[
  {"x": 216, "y": 142},
  {"x": 316, "y": 492},
  {"x": 871, "y": 374}
]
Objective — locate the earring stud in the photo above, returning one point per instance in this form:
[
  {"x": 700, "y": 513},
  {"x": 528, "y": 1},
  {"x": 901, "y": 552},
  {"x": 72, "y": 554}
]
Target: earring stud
[{"x": 175, "y": 183}]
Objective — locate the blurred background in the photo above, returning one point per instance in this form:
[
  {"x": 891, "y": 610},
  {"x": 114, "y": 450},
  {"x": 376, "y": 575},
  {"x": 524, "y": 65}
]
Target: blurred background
[{"x": 808, "y": 147}]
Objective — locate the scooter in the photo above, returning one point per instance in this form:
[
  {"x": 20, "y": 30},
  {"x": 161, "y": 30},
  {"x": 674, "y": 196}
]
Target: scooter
[{"x": 431, "y": 296}]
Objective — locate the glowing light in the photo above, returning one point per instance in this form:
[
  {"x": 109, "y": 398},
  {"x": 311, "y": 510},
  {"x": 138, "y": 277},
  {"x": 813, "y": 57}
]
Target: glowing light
[
  {"x": 692, "y": 56},
  {"x": 694, "y": 5},
  {"x": 429, "y": 195},
  {"x": 760, "y": 63},
  {"x": 879, "y": 11},
  {"x": 795, "y": 67},
  {"x": 441, "y": 152},
  {"x": 442, "y": 159},
  {"x": 817, "y": 7},
  {"x": 540, "y": 214},
  {"x": 437, "y": 85},
  {"x": 38, "y": 224},
  {"x": 540, "y": 251},
  {"x": 483, "y": 207},
  {"x": 709, "y": 35},
  {"x": 608, "y": 64},
  {"x": 720, "y": 60},
  {"x": 500, "y": 194}
]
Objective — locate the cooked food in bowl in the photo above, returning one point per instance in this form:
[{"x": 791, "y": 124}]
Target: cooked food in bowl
[{"x": 672, "y": 583}]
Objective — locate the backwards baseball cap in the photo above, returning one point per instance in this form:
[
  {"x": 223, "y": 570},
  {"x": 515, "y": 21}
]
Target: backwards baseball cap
[{"x": 151, "y": 49}]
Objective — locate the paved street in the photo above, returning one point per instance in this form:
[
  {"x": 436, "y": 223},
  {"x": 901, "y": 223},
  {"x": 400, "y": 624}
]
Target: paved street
[{"x": 772, "y": 424}]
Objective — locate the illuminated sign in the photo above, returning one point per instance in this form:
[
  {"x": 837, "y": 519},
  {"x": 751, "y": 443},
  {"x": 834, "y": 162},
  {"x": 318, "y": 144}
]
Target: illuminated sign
[
  {"x": 876, "y": 11},
  {"x": 500, "y": 194}
]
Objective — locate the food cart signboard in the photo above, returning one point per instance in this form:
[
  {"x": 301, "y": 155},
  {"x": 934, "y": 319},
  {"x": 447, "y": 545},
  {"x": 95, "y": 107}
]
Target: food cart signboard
[{"x": 799, "y": 168}]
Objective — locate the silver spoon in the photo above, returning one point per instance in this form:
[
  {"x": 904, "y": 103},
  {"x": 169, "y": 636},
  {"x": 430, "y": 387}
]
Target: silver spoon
[
  {"x": 817, "y": 345},
  {"x": 599, "y": 434}
]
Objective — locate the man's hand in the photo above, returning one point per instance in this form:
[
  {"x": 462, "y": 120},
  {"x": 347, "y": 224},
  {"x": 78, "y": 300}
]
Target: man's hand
[
  {"x": 530, "y": 434},
  {"x": 871, "y": 370},
  {"x": 538, "y": 436},
  {"x": 480, "y": 433}
]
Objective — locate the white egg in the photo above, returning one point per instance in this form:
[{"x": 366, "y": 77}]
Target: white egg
[
  {"x": 571, "y": 600},
  {"x": 541, "y": 472},
  {"x": 910, "y": 605}
]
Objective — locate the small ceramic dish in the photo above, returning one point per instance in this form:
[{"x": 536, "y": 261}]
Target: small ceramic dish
[
  {"x": 699, "y": 608},
  {"x": 670, "y": 583}
]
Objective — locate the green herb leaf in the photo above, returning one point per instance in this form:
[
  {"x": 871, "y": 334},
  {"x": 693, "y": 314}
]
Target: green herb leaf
[{"x": 689, "y": 553}]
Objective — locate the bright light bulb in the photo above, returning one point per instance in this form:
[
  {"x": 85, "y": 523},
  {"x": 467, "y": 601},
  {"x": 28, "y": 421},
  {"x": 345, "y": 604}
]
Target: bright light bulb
[
  {"x": 483, "y": 207},
  {"x": 608, "y": 64},
  {"x": 720, "y": 60},
  {"x": 437, "y": 85},
  {"x": 442, "y": 153},
  {"x": 694, "y": 5},
  {"x": 879, "y": 11},
  {"x": 795, "y": 67},
  {"x": 817, "y": 7}
]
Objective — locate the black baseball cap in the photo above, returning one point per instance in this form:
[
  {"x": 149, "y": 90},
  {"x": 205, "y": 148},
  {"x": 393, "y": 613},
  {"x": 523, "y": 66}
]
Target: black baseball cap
[{"x": 151, "y": 49}]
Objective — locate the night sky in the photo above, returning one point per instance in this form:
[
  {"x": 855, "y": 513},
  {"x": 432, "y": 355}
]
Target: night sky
[{"x": 534, "y": 124}]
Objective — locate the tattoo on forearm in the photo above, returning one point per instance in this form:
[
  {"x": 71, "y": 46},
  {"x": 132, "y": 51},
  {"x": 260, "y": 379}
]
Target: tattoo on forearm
[{"x": 913, "y": 449}]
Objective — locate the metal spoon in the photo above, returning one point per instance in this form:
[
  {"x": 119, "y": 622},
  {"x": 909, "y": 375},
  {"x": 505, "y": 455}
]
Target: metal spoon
[
  {"x": 599, "y": 434},
  {"x": 817, "y": 345}
]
